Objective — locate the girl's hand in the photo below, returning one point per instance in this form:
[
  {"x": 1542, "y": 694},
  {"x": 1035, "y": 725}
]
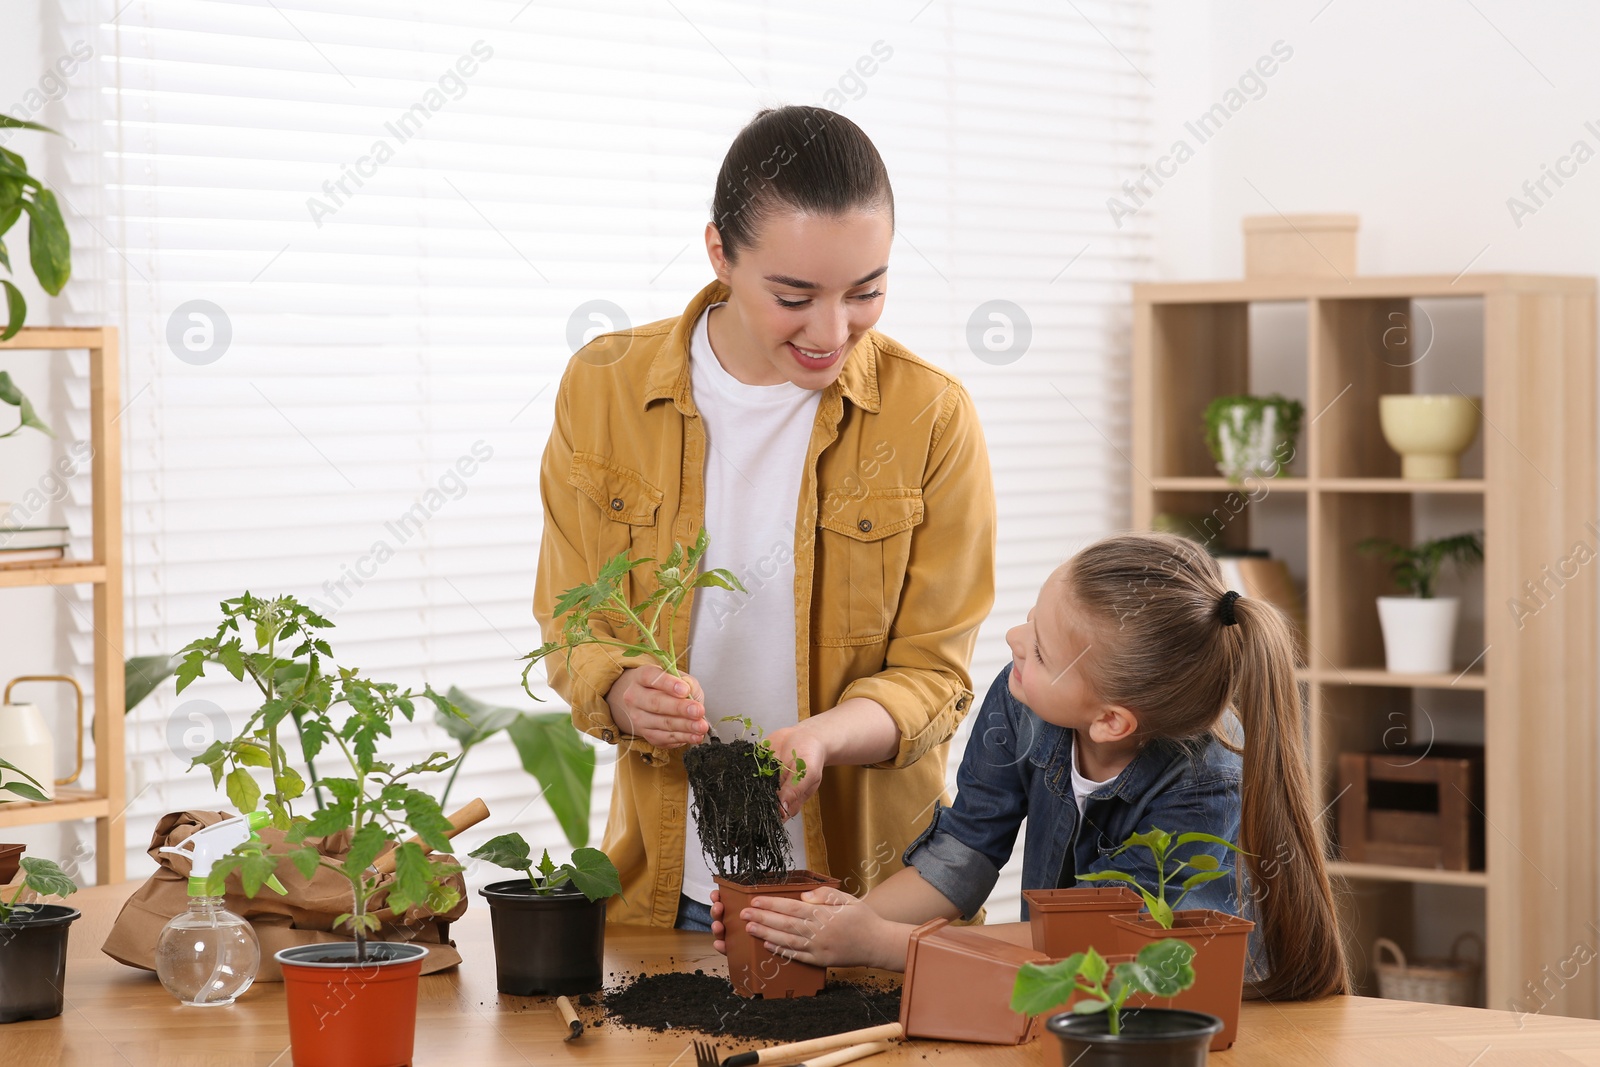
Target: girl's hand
[
  {"x": 828, "y": 927},
  {"x": 668, "y": 711},
  {"x": 792, "y": 744}
]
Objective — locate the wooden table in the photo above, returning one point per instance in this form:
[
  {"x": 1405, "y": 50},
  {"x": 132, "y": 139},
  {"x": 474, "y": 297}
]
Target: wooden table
[{"x": 119, "y": 1016}]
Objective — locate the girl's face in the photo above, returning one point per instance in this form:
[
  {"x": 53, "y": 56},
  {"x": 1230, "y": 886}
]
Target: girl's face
[
  {"x": 801, "y": 297},
  {"x": 1048, "y": 653}
]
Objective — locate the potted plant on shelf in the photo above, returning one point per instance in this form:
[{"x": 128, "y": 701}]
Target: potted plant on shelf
[
  {"x": 1419, "y": 630},
  {"x": 1252, "y": 435},
  {"x": 1090, "y": 995},
  {"x": 550, "y": 927},
  {"x": 1220, "y": 940}
]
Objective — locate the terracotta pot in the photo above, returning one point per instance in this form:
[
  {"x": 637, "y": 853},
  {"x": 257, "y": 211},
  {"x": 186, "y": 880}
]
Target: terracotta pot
[
  {"x": 753, "y": 970},
  {"x": 1150, "y": 1037},
  {"x": 1065, "y": 921},
  {"x": 1221, "y": 942},
  {"x": 545, "y": 945},
  {"x": 958, "y": 986},
  {"x": 33, "y": 962},
  {"x": 348, "y": 1014}
]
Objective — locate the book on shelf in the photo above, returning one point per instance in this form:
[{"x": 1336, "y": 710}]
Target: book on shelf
[
  {"x": 16, "y": 556},
  {"x": 13, "y": 538}
]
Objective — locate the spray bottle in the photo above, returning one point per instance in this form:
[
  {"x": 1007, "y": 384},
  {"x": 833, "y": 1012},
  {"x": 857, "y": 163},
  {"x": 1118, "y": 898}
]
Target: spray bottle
[{"x": 207, "y": 955}]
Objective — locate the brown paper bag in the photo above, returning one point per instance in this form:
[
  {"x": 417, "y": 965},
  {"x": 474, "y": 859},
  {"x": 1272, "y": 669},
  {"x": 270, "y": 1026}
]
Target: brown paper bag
[{"x": 302, "y": 917}]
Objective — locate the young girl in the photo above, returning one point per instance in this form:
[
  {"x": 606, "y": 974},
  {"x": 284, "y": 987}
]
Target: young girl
[
  {"x": 1112, "y": 719},
  {"x": 843, "y": 480}
]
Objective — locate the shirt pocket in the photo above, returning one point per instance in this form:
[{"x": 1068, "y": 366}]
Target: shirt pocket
[
  {"x": 863, "y": 548},
  {"x": 626, "y": 506}
]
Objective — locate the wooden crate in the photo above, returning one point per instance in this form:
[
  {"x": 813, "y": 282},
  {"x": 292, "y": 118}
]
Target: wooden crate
[{"x": 1418, "y": 808}]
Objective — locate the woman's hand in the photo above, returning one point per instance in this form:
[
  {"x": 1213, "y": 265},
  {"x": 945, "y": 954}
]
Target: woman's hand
[
  {"x": 719, "y": 933},
  {"x": 668, "y": 711},
  {"x": 828, "y": 927},
  {"x": 792, "y": 745}
]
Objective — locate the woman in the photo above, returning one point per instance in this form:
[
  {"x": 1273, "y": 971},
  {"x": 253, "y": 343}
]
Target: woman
[{"x": 841, "y": 478}]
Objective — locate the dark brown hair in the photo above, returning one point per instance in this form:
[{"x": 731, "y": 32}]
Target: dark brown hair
[
  {"x": 807, "y": 159},
  {"x": 1160, "y": 647}
]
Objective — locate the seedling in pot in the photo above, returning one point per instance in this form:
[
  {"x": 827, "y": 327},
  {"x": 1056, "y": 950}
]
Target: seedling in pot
[
  {"x": 735, "y": 805},
  {"x": 1161, "y": 969},
  {"x": 591, "y": 871},
  {"x": 41, "y": 876},
  {"x": 1169, "y": 869},
  {"x": 1415, "y": 569}
]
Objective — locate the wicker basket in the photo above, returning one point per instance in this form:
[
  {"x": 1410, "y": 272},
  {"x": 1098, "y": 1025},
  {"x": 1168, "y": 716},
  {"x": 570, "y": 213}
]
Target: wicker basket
[{"x": 1451, "y": 981}]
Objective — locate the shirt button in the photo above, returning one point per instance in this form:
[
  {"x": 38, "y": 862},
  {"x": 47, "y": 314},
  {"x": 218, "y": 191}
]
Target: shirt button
[
  {"x": 865, "y": 525},
  {"x": 607, "y": 736},
  {"x": 616, "y": 503},
  {"x": 645, "y": 757}
]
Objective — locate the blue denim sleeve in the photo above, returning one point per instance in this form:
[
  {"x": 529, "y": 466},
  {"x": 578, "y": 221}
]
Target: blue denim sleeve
[
  {"x": 1210, "y": 806},
  {"x": 962, "y": 850}
]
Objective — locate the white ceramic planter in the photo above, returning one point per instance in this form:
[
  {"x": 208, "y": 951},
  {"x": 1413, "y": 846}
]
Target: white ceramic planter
[
  {"x": 27, "y": 744},
  {"x": 1418, "y": 633},
  {"x": 1247, "y": 451},
  {"x": 1429, "y": 432}
]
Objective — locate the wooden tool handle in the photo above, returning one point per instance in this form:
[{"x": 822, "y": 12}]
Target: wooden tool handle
[
  {"x": 570, "y": 1017},
  {"x": 846, "y": 1055},
  {"x": 471, "y": 815},
  {"x": 797, "y": 1051}
]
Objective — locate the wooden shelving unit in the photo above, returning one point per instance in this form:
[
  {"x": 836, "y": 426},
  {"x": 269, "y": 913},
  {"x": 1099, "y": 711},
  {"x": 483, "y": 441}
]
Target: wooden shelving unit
[
  {"x": 105, "y": 803},
  {"x": 1536, "y": 679}
]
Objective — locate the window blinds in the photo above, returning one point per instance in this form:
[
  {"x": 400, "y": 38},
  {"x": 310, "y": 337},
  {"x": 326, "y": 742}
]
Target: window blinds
[{"x": 351, "y": 246}]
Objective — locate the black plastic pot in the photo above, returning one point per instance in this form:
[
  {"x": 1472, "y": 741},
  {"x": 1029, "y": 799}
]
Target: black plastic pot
[
  {"x": 1151, "y": 1037},
  {"x": 551, "y": 945},
  {"x": 33, "y": 962}
]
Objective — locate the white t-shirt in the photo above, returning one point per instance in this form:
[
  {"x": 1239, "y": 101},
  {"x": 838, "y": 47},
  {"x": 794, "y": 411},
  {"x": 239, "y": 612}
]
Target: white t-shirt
[
  {"x": 742, "y": 646},
  {"x": 1081, "y": 786}
]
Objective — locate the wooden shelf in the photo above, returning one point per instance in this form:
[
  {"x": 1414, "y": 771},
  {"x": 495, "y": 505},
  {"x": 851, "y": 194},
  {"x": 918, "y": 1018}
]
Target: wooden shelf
[
  {"x": 1380, "y": 872},
  {"x": 1539, "y": 691},
  {"x": 1373, "y": 676},
  {"x": 68, "y": 804},
  {"x": 57, "y": 572},
  {"x": 1399, "y": 485}
]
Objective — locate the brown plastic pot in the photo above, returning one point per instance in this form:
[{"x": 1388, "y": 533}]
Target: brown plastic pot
[
  {"x": 1221, "y": 943},
  {"x": 1065, "y": 921},
  {"x": 10, "y": 862},
  {"x": 958, "y": 986},
  {"x": 348, "y": 1014},
  {"x": 753, "y": 970}
]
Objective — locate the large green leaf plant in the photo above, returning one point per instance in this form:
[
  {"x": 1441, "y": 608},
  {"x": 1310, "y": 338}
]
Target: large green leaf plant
[{"x": 49, "y": 249}]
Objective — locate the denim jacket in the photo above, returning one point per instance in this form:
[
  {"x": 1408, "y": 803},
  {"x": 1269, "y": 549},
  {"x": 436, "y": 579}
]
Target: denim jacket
[{"x": 1018, "y": 766}]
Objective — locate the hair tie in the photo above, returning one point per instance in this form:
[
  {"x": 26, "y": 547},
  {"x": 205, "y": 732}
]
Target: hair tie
[{"x": 1225, "y": 609}]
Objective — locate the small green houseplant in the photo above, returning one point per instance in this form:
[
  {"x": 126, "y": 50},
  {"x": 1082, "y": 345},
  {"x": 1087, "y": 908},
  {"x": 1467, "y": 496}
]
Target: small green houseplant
[
  {"x": 1095, "y": 1028},
  {"x": 550, "y": 927},
  {"x": 1419, "y": 629},
  {"x": 33, "y": 944},
  {"x": 1220, "y": 940},
  {"x": 49, "y": 248},
  {"x": 1252, "y": 435}
]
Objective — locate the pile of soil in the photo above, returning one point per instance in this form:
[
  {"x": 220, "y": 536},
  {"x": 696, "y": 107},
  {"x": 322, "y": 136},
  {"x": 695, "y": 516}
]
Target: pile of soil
[
  {"x": 678, "y": 1000},
  {"x": 735, "y": 809}
]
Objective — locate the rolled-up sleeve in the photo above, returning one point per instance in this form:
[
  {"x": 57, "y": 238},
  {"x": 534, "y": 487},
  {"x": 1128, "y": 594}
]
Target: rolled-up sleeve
[{"x": 925, "y": 684}]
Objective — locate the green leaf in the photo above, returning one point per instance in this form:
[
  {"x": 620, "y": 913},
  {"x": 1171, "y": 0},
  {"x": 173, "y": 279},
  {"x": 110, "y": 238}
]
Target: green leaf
[
  {"x": 25, "y": 791},
  {"x": 9, "y": 123},
  {"x": 427, "y": 821},
  {"x": 306, "y": 861},
  {"x": 243, "y": 793},
  {"x": 508, "y": 850},
  {"x": 46, "y": 878},
  {"x": 1161, "y": 912},
  {"x": 552, "y": 750},
  {"x": 1210, "y": 839},
  {"x": 10, "y": 394},
  {"x": 1162, "y": 968},
  {"x": 1203, "y": 877},
  {"x": 594, "y": 874},
  {"x": 1042, "y": 986},
  {"x": 1205, "y": 861},
  {"x": 16, "y": 306},
  {"x": 141, "y": 675},
  {"x": 254, "y": 871},
  {"x": 250, "y": 754},
  {"x": 547, "y": 869},
  {"x": 49, "y": 248},
  {"x": 721, "y": 579},
  {"x": 1094, "y": 968},
  {"x": 477, "y": 721},
  {"x": 192, "y": 667},
  {"x": 412, "y": 876},
  {"x": 365, "y": 845},
  {"x": 231, "y": 657}
]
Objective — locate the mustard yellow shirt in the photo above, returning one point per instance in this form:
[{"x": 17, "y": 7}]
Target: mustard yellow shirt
[{"x": 894, "y": 573}]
